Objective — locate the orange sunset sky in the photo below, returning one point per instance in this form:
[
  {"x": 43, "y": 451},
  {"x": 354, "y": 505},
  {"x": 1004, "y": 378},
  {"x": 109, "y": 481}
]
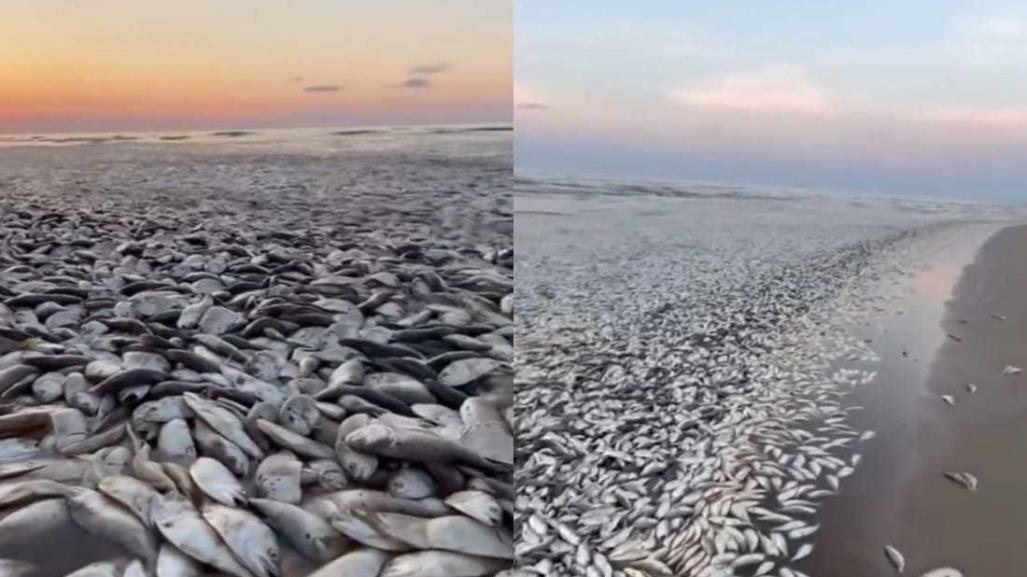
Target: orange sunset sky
[{"x": 105, "y": 65}]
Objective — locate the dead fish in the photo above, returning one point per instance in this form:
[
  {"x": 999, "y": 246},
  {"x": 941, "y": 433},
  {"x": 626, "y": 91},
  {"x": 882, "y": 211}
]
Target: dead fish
[
  {"x": 325, "y": 473},
  {"x": 181, "y": 524},
  {"x": 192, "y": 313},
  {"x": 967, "y": 480},
  {"x": 135, "y": 568},
  {"x": 48, "y": 388},
  {"x": 214, "y": 445},
  {"x": 442, "y": 564},
  {"x": 490, "y": 440},
  {"x": 465, "y": 371},
  {"x": 8, "y": 470},
  {"x": 146, "y": 469},
  {"x": 357, "y": 526},
  {"x": 218, "y": 320},
  {"x": 180, "y": 476},
  {"x": 128, "y": 378},
  {"x": 101, "y": 517},
  {"x": 176, "y": 441},
  {"x": 438, "y": 414},
  {"x": 949, "y": 399},
  {"x": 173, "y": 563},
  {"x": 477, "y": 505},
  {"x": 99, "y": 569},
  {"x": 96, "y": 442},
  {"x": 364, "y": 562},
  {"x": 223, "y": 422},
  {"x": 1011, "y": 370},
  {"x": 358, "y": 466},
  {"x": 411, "y": 483},
  {"x": 971, "y": 388},
  {"x": 278, "y": 477},
  {"x": 943, "y": 572},
  {"x": 109, "y": 461},
  {"x": 25, "y": 419},
  {"x": 412, "y": 445},
  {"x": 350, "y": 372},
  {"x": 217, "y": 482},
  {"x": 299, "y": 414},
  {"x": 350, "y": 500},
  {"x": 14, "y": 374},
  {"x": 895, "y": 558},
  {"x": 253, "y": 542},
  {"x": 34, "y": 520},
  {"x": 134, "y": 494},
  {"x": 32, "y": 490},
  {"x": 162, "y": 410},
  {"x": 311, "y": 535},
  {"x": 68, "y": 427},
  {"x": 377, "y": 400},
  {"x": 406, "y": 389},
  {"x": 451, "y": 533},
  {"x": 294, "y": 442}
]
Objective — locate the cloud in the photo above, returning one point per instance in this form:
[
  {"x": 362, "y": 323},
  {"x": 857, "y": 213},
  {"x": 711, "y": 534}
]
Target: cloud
[
  {"x": 1007, "y": 118},
  {"x": 533, "y": 106},
  {"x": 416, "y": 82},
  {"x": 989, "y": 41},
  {"x": 781, "y": 89},
  {"x": 429, "y": 69},
  {"x": 322, "y": 88}
]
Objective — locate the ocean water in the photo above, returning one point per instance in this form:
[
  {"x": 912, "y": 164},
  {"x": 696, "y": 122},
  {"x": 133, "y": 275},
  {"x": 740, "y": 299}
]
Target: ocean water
[{"x": 609, "y": 249}]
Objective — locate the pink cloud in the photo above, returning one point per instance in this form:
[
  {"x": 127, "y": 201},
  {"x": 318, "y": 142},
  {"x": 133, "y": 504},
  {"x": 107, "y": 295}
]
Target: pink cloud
[{"x": 784, "y": 89}]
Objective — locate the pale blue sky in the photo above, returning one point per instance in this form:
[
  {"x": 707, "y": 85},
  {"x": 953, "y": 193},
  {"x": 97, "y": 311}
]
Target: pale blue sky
[{"x": 909, "y": 98}]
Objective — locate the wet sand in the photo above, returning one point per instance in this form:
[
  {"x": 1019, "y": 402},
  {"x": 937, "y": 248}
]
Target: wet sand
[{"x": 898, "y": 496}]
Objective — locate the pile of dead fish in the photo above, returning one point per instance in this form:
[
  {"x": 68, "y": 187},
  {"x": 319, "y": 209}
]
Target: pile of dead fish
[
  {"x": 699, "y": 441},
  {"x": 254, "y": 402}
]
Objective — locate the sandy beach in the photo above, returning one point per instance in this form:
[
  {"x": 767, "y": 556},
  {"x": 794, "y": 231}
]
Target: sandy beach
[
  {"x": 696, "y": 395},
  {"x": 966, "y": 328}
]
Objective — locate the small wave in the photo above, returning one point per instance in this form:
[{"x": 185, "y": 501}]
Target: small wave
[
  {"x": 356, "y": 132},
  {"x": 472, "y": 129}
]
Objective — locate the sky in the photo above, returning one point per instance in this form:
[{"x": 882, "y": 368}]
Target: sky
[
  {"x": 105, "y": 65},
  {"x": 923, "y": 98}
]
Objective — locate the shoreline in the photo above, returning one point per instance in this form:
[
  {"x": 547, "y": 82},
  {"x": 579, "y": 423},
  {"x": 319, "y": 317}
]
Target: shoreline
[{"x": 899, "y": 496}]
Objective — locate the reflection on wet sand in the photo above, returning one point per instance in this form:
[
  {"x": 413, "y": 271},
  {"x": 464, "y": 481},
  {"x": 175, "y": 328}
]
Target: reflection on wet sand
[{"x": 941, "y": 404}]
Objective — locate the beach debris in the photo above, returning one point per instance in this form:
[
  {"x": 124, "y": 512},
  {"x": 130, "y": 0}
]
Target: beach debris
[
  {"x": 949, "y": 399},
  {"x": 998, "y": 317},
  {"x": 971, "y": 388},
  {"x": 967, "y": 480},
  {"x": 943, "y": 572},
  {"x": 1011, "y": 370},
  {"x": 954, "y": 337},
  {"x": 895, "y": 558}
]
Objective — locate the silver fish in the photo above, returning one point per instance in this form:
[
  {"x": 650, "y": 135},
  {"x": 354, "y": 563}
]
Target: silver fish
[{"x": 217, "y": 482}]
